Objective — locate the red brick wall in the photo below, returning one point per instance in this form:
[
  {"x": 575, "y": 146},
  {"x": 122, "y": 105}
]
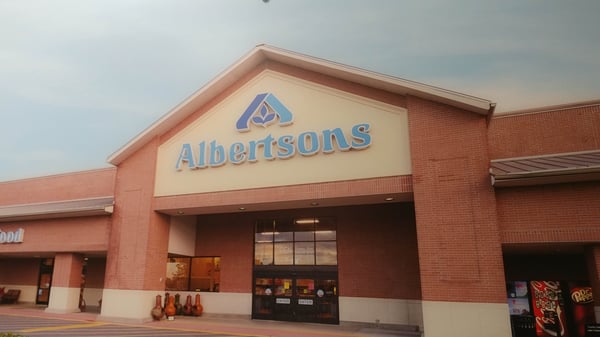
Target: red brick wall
[
  {"x": 550, "y": 213},
  {"x": 555, "y": 212},
  {"x": 139, "y": 236},
  {"x": 88, "y": 234},
  {"x": 95, "y": 268},
  {"x": 377, "y": 249},
  {"x": 231, "y": 237},
  {"x": 459, "y": 243},
  {"x": 19, "y": 271},
  {"x": 77, "y": 185},
  {"x": 556, "y": 131},
  {"x": 67, "y": 270}
]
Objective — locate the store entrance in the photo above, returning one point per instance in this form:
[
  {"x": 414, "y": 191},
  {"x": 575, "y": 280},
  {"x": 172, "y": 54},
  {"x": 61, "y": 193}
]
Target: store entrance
[
  {"x": 44, "y": 281},
  {"x": 299, "y": 296}
]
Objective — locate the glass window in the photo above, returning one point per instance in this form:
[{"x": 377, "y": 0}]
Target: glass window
[
  {"x": 264, "y": 286},
  {"x": 284, "y": 236},
  {"x": 205, "y": 274},
  {"x": 263, "y": 253},
  {"x": 284, "y": 253},
  {"x": 301, "y": 241},
  {"x": 325, "y": 235},
  {"x": 305, "y": 287},
  {"x": 326, "y": 253},
  {"x": 283, "y": 287},
  {"x": 193, "y": 274},
  {"x": 304, "y": 253},
  {"x": 178, "y": 270},
  {"x": 304, "y": 236}
]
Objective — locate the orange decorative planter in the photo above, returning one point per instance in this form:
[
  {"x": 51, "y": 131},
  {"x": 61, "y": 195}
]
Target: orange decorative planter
[
  {"x": 170, "y": 309},
  {"x": 197, "y": 310},
  {"x": 157, "y": 311},
  {"x": 187, "y": 308}
]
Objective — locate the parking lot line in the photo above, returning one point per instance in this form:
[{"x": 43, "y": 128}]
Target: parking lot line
[{"x": 63, "y": 327}]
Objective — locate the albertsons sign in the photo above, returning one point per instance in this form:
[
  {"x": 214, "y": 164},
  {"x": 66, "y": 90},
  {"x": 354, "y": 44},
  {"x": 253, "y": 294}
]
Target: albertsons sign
[{"x": 264, "y": 111}]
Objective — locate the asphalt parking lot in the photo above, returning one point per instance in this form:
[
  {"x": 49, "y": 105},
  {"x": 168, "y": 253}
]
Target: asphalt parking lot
[
  {"x": 34, "y": 321},
  {"x": 50, "y": 327}
]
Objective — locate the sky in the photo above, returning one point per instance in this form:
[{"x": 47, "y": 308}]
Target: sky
[{"x": 81, "y": 78}]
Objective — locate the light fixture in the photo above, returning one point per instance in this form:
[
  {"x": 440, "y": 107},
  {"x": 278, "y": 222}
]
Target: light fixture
[
  {"x": 242, "y": 208},
  {"x": 306, "y": 221},
  {"x": 314, "y": 203},
  {"x": 389, "y": 199},
  {"x": 180, "y": 212}
]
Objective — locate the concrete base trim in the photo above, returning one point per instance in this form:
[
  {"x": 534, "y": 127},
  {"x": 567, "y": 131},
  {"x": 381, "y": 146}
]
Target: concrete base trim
[
  {"x": 131, "y": 306},
  {"x": 63, "y": 300},
  {"x": 381, "y": 311},
  {"x": 222, "y": 303},
  {"x": 464, "y": 319}
]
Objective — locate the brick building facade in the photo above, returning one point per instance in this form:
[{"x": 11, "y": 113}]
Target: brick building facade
[{"x": 293, "y": 188}]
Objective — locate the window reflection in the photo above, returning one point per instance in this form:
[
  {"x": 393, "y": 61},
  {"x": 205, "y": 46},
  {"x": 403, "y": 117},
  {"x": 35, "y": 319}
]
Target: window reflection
[
  {"x": 284, "y": 253},
  {"x": 283, "y": 287},
  {"x": 302, "y": 241},
  {"x": 177, "y": 274},
  {"x": 304, "y": 253},
  {"x": 326, "y": 253},
  {"x": 193, "y": 274}
]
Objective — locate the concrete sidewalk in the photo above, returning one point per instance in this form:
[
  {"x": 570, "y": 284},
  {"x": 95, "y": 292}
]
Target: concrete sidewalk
[{"x": 90, "y": 324}]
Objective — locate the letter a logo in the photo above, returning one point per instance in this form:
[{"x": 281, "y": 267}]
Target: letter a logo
[{"x": 263, "y": 112}]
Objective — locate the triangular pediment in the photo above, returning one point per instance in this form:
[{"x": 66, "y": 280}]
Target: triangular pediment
[
  {"x": 263, "y": 53},
  {"x": 278, "y": 129}
]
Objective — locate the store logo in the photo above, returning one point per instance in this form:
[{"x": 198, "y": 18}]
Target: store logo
[
  {"x": 12, "y": 237},
  {"x": 263, "y": 111},
  {"x": 582, "y": 295}
]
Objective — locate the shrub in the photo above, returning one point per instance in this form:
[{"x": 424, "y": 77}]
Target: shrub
[{"x": 9, "y": 334}]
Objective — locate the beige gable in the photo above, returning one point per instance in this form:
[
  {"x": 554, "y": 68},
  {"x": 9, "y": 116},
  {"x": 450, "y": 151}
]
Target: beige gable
[{"x": 371, "y": 140}]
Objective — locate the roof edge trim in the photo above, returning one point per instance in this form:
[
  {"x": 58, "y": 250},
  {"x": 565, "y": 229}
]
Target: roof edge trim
[{"x": 57, "y": 209}]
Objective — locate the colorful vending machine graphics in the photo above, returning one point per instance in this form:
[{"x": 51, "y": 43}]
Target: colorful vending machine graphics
[
  {"x": 518, "y": 298},
  {"x": 582, "y": 306},
  {"x": 548, "y": 309}
]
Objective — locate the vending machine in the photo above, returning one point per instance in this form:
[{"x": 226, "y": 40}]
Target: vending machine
[{"x": 550, "y": 308}]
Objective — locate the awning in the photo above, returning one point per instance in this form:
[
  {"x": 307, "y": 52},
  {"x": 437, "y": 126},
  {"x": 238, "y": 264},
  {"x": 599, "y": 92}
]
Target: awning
[
  {"x": 546, "y": 169},
  {"x": 58, "y": 209}
]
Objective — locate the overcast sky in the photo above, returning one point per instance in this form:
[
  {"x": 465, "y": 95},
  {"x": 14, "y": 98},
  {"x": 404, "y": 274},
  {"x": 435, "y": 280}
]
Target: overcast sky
[{"x": 80, "y": 78}]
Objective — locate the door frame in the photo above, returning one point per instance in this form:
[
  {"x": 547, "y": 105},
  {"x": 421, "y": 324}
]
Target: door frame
[
  {"x": 320, "y": 307},
  {"x": 44, "y": 284}
]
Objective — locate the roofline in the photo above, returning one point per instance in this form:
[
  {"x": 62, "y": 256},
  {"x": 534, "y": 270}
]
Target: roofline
[
  {"x": 264, "y": 52},
  {"x": 550, "y": 108},
  {"x": 499, "y": 160},
  {"x": 54, "y": 175},
  {"x": 545, "y": 176},
  {"x": 58, "y": 209}
]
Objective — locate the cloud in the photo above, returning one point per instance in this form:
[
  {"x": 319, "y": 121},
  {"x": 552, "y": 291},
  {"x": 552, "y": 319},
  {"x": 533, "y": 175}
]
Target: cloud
[{"x": 99, "y": 72}]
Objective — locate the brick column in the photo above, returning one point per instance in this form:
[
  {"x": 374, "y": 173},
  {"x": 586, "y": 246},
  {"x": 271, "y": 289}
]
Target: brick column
[
  {"x": 138, "y": 243},
  {"x": 460, "y": 254},
  {"x": 66, "y": 283},
  {"x": 593, "y": 264}
]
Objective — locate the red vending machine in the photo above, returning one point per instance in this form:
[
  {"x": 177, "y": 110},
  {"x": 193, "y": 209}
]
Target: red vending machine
[
  {"x": 582, "y": 306},
  {"x": 548, "y": 309}
]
